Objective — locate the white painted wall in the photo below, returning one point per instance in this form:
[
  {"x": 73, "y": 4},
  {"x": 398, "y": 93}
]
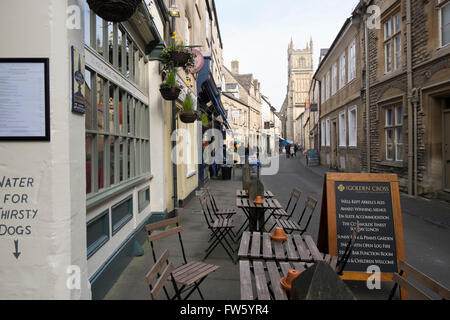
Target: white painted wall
[{"x": 30, "y": 28}]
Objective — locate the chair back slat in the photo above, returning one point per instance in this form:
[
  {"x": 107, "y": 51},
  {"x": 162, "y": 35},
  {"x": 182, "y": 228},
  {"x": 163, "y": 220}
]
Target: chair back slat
[
  {"x": 160, "y": 224},
  {"x": 155, "y": 270},
  {"x": 410, "y": 288},
  {"x": 161, "y": 281},
  {"x": 424, "y": 279},
  {"x": 164, "y": 234}
]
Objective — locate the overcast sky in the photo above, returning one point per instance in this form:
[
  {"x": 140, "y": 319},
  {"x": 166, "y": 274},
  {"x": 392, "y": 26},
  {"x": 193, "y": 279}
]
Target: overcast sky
[{"x": 258, "y": 32}]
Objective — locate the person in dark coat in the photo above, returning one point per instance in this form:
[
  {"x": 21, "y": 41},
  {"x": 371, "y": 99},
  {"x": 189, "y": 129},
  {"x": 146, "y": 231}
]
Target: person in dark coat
[{"x": 287, "y": 147}]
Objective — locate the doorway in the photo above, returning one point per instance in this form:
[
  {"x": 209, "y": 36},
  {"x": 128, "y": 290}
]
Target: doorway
[{"x": 446, "y": 142}]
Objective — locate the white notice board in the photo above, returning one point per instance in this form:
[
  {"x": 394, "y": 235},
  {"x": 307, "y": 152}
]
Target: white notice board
[{"x": 24, "y": 99}]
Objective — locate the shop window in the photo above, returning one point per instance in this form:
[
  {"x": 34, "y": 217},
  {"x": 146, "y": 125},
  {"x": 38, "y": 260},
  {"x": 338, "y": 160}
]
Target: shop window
[
  {"x": 394, "y": 133},
  {"x": 352, "y": 127},
  {"x": 144, "y": 199},
  {"x": 342, "y": 130},
  {"x": 121, "y": 214},
  {"x": 97, "y": 233},
  {"x": 393, "y": 43},
  {"x": 99, "y": 27}
]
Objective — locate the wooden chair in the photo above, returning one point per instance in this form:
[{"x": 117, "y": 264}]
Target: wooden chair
[
  {"x": 291, "y": 226},
  {"x": 221, "y": 230},
  {"x": 227, "y": 212},
  {"x": 431, "y": 284},
  {"x": 286, "y": 213},
  {"x": 157, "y": 277},
  {"x": 190, "y": 274}
]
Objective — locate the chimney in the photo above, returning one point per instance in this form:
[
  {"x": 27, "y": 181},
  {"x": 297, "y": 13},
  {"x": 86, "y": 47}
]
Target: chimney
[{"x": 235, "y": 67}]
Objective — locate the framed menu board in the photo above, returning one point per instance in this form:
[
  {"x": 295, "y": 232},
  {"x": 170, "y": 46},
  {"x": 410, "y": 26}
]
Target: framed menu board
[
  {"x": 25, "y": 99},
  {"x": 372, "y": 200}
]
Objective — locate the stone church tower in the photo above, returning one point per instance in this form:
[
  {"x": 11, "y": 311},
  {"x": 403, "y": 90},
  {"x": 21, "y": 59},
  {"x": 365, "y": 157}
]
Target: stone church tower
[{"x": 300, "y": 73}]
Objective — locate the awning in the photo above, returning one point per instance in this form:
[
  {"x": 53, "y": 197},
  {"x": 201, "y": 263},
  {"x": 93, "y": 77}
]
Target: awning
[{"x": 208, "y": 92}]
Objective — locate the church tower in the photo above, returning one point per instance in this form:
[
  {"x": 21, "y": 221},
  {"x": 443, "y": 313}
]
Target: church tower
[{"x": 300, "y": 73}]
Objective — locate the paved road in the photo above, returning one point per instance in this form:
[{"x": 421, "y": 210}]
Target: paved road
[{"x": 427, "y": 240}]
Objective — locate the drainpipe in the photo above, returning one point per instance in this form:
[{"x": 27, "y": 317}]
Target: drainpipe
[
  {"x": 366, "y": 61},
  {"x": 174, "y": 143},
  {"x": 409, "y": 95},
  {"x": 415, "y": 94}
]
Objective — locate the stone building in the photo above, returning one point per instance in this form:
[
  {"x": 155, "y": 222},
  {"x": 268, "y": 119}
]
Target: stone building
[
  {"x": 246, "y": 90},
  {"x": 300, "y": 72},
  {"x": 339, "y": 76},
  {"x": 409, "y": 94}
]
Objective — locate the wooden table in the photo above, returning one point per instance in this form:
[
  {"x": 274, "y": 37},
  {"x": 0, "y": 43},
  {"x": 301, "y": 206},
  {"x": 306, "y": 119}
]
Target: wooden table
[
  {"x": 298, "y": 248},
  {"x": 242, "y": 194},
  {"x": 269, "y": 204},
  {"x": 266, "y": 276}
]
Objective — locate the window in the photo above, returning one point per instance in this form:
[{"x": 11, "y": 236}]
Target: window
[
  {"x": 342, "y": 130},
  {"x": 323, "y": 133},
  {"x": 116, "y": 122},
  {"x": 97, "y": 233},
  {"x": 393, "y": 43},
  {"x": 143, "y": 199},
  {"x": 322, "y": 90},
  {"x": 187, "y": 30},
  {"x": 393, "y": 132},
  {"x": 352, "y": 127},
  {"x": 328, "y": 132},
  {"x": 121, "y": 213},
  {"x": 334, "y": 79},
  {"x": 328, "y": 87},
  {"x": 445, "y": 22},
  {"x": 207, "y": 24},
  {"x": 342, "y": 79},
  {"x": 352, "y": 61}
]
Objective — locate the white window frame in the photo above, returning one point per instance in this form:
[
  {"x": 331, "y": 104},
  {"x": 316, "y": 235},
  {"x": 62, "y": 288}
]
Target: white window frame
[
  {"x": 342, "y": 69},
  {"x": 328, "y": 87},
  {"x": 396, "y": 124},
  {"x": 442, "y": 5},
  {"x": 322, "y": 89},
  {"x": 353, "y": 127},
  {"x": 334, "y": 79},
  {"x": 342, "y": 129},
  {"x": 328, "y": 132},
  {"x": 323, "y": 138},
  {"x": 391, "y": 33},
  {"x": 352, "y": 61}
]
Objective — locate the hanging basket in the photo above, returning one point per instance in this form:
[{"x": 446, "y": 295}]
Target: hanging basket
[
  {"x": 179, "y": 58},
  {"x": 188, "y": 116},
  {"x": 170, "y": 94},
  {"x": 114, "y": 10}
]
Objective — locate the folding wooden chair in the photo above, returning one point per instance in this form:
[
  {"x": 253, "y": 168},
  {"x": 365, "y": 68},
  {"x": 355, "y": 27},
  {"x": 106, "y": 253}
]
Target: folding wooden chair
[
  {"x": 291, "y": 226},
  {"x": 156, "y": 277},
  {"x": 220, "y": 228},
  {"x": 422, "y": 278},
  {"x": 190, "y": 274},
  {"x": 286, "y": 213},
  {"x": 227, "y": 212}
]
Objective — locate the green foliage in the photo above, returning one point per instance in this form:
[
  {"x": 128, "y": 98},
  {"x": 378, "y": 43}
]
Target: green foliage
[
  {"x": 188, "y": 103},
  {"x": 170, "y": 81},
  {"x": 176, "y": 45},
  {"x": 205, "y": 120}
]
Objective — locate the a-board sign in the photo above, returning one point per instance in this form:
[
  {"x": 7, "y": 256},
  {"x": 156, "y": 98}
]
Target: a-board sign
[{"x": 373, "y": 200}]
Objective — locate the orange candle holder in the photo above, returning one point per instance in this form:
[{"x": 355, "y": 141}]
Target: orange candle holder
[
  {"x": 258, "y": 200},
  {"x": 286, "y": 282},
  {"x": 279, "y": 234}
]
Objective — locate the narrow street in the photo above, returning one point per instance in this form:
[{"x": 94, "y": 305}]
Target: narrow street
[{"x": 426, "y": 243}]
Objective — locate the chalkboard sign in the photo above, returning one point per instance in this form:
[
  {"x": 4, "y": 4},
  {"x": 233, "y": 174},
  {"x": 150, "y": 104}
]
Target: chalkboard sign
[
  {"x": 373, "y": 200},
  {"x": 312, "y": 157}
]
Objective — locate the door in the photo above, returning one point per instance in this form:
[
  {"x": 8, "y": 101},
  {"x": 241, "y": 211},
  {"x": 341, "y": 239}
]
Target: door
[
  {"x": 334, "y": 148},
  {"x": 446, "y": 143}
]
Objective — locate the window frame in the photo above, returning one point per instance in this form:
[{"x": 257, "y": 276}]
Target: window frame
[
  {"x": 351, "y": 61},
  {"x": 328, "y": 132},
  {"x": 102, "y": 240},
  {"x": 334, "y": 78},
  {"x": 394, "y": 126},
  {"x": 389, "y": 39},
  {"x": 342, "y": 70},
  {"x": 116, "y": 227},
  {"x": 353, "y": 136},
  {"x": 442, "y": 4},
  {"x": 342, "y": 129}
]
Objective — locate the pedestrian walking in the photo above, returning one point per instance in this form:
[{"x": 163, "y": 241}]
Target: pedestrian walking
[
  {"x": 295, "y": 149},
  {"x": 292, "y": 149},
  {"x": 287, "y": 150}
]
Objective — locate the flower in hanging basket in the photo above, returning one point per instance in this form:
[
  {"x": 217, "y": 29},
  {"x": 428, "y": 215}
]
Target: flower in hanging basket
[
  {"x": 114, "y": 10},
  {"x": 188, "y": 115},
  {"x": 169, "y": 89},
  {"x": 177, "y": 55}
]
